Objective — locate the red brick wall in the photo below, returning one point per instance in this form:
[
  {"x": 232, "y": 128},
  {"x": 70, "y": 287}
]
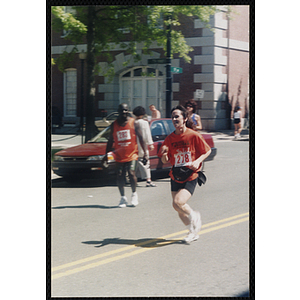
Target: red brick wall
[
  {"x": 240, "y": 16},
  {"x": 239, "y": 60},
  {"x": 186, "y": 78},
  {"x": 238, "y": 77}
]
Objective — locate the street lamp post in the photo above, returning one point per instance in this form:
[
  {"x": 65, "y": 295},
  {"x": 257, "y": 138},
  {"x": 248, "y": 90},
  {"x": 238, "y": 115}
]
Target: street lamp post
[{"x": 82, "y": 57}]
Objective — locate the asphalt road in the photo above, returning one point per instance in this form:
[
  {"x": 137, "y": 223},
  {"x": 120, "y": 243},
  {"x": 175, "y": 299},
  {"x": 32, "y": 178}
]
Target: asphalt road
[{"x": 100, "y": 250}]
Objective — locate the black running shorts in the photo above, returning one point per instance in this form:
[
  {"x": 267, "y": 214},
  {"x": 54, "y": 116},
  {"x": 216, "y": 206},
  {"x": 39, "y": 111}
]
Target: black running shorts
[{"x": 189, "y": 185}]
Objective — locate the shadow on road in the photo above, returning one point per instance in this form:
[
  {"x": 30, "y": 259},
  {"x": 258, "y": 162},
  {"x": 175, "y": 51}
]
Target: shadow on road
[
  {"x": 145, "y": 243},
  {"x": 85, "y": 206},
  {"x": 101, "y": 181},
  {"x": 84, "y": 183}
]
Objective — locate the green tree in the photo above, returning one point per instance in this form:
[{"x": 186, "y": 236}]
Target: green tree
[{"x": 103, "y": 26}]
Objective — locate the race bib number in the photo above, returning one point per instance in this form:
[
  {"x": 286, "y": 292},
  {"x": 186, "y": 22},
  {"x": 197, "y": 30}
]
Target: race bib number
[
  {"x": 183, "y": 159},
  {"x": 123, "y": 135}
]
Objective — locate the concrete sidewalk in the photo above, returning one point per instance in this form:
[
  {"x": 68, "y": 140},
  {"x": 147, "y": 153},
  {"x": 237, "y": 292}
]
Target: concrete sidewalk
[
  {"x": 63, "y": 141},
  {"x": 228, "y": 135}
]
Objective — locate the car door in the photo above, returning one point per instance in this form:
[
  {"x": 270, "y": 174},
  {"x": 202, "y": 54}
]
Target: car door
[{"x": 159, "y": 131}]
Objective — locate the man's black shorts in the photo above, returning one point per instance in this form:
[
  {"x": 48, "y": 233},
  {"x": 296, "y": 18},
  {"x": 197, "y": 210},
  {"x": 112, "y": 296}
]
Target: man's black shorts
[{"x": 189, "y": 186}]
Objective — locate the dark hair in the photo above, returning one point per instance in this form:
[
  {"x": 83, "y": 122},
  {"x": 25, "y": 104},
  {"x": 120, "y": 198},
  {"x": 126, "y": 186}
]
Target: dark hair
[
  {"x": 122, "y": 106},
  {"x": 182, "y": 109},
  {"x": 139, "y": 111},
  {"x": 236, "y": 108},
  {"x": 191, "y": 103}
]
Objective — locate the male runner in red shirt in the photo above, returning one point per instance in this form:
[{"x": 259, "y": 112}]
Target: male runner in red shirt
[{"x": 124, "y": 133}]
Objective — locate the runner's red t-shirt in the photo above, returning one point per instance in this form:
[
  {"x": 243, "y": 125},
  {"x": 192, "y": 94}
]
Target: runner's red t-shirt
[
  {"x": 126, "y": 148},
  {"x": 184, "y": 149}
]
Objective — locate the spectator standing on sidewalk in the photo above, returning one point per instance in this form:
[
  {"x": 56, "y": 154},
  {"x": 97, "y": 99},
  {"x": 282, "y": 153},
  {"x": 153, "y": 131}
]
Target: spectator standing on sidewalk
[
  {"x": 143, "y": 166},
  {"x": 194, "y": 120},
  {"x": 237, "y": 122},
  {"x": 124, "y": 133},
  {"x": 155, "y": 113},
  {"x": 185, "y": 149}
]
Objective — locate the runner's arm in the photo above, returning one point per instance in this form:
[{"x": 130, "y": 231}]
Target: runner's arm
[
  {"x": 110, "y": 140},
  {"x": 196, "y": 163},
  {"x": 164, "y": 154},
  {"x": 199, "y": 124}
]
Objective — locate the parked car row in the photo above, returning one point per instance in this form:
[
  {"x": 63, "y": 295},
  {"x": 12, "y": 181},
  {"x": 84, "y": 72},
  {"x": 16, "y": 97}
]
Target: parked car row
[{"x": 85, "y": 161}]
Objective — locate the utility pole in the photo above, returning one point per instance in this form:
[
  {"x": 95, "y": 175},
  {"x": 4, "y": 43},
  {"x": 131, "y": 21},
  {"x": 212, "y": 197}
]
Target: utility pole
[
  {"x": 168, "y": 71},
  {"x": 90, "y": 97},
  {"x": 82, "y": 57}
]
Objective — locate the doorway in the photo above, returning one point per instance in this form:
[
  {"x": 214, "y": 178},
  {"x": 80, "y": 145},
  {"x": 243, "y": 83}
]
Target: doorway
[{"x": 141, "y": 86}]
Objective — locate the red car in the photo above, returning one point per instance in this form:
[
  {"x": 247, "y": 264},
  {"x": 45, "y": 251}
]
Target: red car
[{"x": 85, "y": 161}]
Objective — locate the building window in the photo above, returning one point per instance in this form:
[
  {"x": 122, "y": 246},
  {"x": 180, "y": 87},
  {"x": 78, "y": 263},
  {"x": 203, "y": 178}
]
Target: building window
[
  {"x": 70, "y": 93},
  {"x": 137, "y": 72}
]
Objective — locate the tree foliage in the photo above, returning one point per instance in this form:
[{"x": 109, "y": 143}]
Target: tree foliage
[{"x": 127, "y": 25}]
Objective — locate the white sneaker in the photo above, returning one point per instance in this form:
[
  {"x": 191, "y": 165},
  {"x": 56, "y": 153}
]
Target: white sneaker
[
  {"x": 196, "y": 223},
  {"x": 134, "y": 199},
  {"x": 123, "y": 201},
  {"x": 190, "y": 237}
]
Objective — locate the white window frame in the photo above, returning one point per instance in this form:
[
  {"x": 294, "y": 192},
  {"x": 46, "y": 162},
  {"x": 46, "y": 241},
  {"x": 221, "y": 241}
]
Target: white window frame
[
  {"x": 158, "y": 100},
  {"x": 65, "y": 93}
]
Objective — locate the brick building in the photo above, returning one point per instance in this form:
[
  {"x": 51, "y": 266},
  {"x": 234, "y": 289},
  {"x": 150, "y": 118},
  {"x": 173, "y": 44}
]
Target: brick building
[{"x": 219, "y": 67}]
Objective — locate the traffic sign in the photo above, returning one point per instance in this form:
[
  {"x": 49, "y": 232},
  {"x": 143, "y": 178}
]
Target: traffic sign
[
  {"x": 157, "y": 61},
  {"x": 176, "y": 70},
  {"x": 200, "y": 94}
]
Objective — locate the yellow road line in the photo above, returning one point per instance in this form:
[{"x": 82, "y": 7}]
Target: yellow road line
[
  {"x": 80, "y": 261},
  {"x": 84, "y": 260},
  {"x": 226, "y": 219},
  {"x": 204, "y": 231},
  {"x": 114, "y": 258}
]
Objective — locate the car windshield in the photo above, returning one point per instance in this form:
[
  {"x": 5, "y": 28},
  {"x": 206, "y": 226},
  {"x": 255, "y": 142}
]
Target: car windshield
[
  {"x": 101, "y": 137},
  {"x": 171, "y": 126},
  {"x": 158, "y": 131},
  {"x": 112, "y": 116}
]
